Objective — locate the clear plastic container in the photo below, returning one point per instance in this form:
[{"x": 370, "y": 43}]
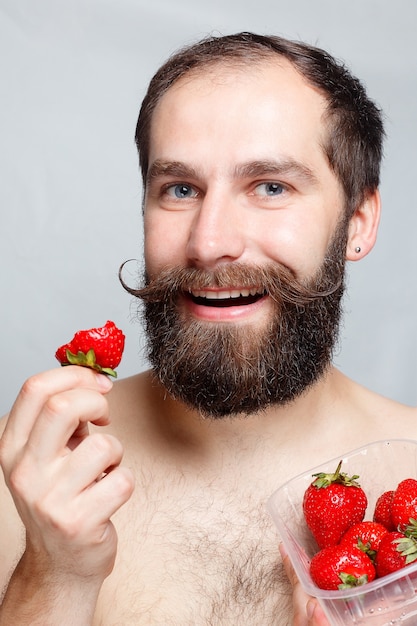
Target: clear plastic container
[{"x": 386, "y": 601}]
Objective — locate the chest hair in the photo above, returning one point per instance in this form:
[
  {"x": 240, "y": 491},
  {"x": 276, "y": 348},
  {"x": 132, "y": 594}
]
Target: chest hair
[{"x": 206, "y": 556}]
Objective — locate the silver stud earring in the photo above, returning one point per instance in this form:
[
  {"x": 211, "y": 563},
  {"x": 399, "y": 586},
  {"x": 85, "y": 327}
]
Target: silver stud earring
[{"x": 358, "y": 249}]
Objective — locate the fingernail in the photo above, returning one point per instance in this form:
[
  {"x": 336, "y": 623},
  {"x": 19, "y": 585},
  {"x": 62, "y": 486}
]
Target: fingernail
[
  {"x": 310, "y": 608},
  {"x": 104, "y": 382}
]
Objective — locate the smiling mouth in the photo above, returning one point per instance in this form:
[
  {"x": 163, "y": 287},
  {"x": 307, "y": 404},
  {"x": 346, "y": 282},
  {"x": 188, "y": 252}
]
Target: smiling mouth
[{"x": 226, "y": 297}]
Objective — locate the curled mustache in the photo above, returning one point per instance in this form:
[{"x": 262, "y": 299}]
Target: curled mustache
[{"x": 275, "y": 280}]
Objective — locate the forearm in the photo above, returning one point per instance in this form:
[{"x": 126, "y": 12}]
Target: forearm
[{"x": 37, "y": 598}]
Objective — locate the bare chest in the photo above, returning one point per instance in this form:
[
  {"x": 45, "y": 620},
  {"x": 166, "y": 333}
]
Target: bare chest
[{"x": 199, "y": 554}]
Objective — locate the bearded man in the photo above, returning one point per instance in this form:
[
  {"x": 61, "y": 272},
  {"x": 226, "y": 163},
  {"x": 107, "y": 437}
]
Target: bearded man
[{"x": 145, "y": 503}]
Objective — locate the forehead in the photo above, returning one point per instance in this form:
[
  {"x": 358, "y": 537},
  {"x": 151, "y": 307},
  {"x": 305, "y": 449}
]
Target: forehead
[
  {"x": 273, "y": 73},
  {"x": 240, "y": 108}
]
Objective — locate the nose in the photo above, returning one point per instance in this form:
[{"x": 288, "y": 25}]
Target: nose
[{"x": 217, "y": 232}]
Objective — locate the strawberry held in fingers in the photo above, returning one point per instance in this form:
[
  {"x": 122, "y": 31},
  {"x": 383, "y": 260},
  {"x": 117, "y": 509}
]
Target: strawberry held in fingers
[
  {"x": 331, "y": 504},
  {"x": 98, "y": 348}
]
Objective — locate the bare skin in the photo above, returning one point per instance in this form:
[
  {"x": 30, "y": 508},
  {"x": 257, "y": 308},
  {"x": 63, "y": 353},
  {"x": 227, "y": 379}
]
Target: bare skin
[
  {"x": 137, "y": 510},
  {"x": 195, "y": 544}
]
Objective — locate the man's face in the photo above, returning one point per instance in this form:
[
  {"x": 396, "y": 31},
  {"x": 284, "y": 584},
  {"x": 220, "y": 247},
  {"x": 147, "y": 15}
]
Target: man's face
[{"x": 238, "y": 180}]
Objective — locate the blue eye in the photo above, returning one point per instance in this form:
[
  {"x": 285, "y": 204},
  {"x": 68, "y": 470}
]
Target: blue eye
[
  {"x": 181, "y": 191},
  {"x": 269, "y": 189}
]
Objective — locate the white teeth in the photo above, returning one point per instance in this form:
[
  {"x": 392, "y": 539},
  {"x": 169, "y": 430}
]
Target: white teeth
[{"x": 225, "y": 294}]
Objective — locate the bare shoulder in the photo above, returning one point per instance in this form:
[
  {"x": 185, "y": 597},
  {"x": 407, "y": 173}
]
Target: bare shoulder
[
  {"x": 381, "y": 416},
  {"x": 139, "y": 398},
  {"x": 127, "y": 389},
  {"x": 386, "y": 405},
  {"x": 136, "y": 407},
  {"x": 394, "y": 418},
  {"x": 12, "y": 530},
  {"x": 134, "y": 394}
]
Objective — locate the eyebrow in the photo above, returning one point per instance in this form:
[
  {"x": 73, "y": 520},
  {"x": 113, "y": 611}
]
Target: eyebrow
[
  {"x": 262, "y": 167},
  {"x": 177, "y": 169},
  {"x": 276, "y": 167}
]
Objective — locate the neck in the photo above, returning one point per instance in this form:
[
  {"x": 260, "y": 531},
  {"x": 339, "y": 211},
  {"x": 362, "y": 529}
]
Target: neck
[{"x": 281, "y": 423}]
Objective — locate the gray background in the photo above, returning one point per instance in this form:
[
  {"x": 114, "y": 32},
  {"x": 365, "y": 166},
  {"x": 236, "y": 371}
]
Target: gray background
[{"x": 72, "y": 77}]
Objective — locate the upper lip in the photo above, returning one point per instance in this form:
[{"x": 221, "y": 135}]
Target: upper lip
[{"x": 222, "y": 293}]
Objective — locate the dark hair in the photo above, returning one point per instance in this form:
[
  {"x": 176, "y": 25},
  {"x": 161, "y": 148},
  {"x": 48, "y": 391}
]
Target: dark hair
[{"x": 355, "y": 127}]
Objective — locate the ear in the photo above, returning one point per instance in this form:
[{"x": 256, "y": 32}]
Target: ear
[{"x": 363, "y": 227}]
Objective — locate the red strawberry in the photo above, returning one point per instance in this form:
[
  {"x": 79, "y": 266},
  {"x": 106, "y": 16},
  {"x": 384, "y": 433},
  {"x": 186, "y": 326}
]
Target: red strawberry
[
  {"x": 404, "y": 503},
  {"x": 341, "y": 567},
  {"x": 396, "y": 550},
  {"x": 98, "y": 348},
  {"x": 331, "y": 504},
  {"x": 382, "y": 513},
  {"x": 366, "y": 536}
]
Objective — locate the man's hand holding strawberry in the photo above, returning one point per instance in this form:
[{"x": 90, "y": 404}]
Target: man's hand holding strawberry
[{"x": 66, "y": 483}]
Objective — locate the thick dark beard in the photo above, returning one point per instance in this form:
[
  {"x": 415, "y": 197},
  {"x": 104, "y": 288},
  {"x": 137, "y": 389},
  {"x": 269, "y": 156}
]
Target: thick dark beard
[{"x": 223, "y": 370}]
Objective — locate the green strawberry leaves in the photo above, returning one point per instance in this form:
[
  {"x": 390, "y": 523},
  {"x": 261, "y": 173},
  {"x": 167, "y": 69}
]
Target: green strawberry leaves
[
  {"x": 88, "y": 360},
  {"x": 323, "y": 480},
  {"x": 349, "y": 581}
]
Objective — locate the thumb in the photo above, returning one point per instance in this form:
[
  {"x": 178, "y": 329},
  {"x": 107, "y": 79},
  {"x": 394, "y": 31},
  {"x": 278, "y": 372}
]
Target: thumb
[
  {"x": 315, "y": 614},
  {"x": 307, "y": 611}
]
